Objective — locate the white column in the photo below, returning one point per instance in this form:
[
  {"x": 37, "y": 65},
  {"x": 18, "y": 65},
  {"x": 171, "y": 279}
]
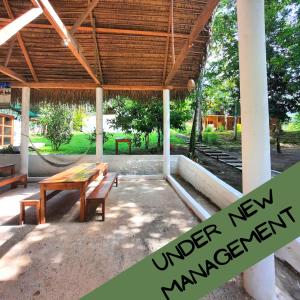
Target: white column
[
  {"x": 259, "y": 281},
  {"x": 166, "y": 109},
  {"x": 25, "y": 130},
  {"x": 99, "y": 124}
]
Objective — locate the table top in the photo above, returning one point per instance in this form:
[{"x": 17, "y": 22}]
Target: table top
[
  {"x": 80, "y": 173},
  {"x": 123, "y": 139}
]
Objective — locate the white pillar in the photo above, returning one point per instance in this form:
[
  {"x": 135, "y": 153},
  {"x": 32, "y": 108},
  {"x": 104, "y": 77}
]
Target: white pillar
[
  {"x": 99, "y": 124},
  {"x": 166, "y": 109},
  {"x": 25, "y": 130},
  {"x": 259, "y": 281}
]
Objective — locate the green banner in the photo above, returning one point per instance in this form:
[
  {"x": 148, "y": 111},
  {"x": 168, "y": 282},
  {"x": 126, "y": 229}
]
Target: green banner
[{"x": 216, "y": 250}]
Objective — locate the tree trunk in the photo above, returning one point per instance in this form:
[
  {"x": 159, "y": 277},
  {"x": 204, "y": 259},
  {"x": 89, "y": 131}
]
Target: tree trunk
[
  {"x": 235, "y": 121},
  {"x": 193, "y": 133},
  {"x": 158, "y": 139},
  {"x": 200, "y": 124},
  {"x": 278, "y": 135},
  {"x": 146, "y": 141}
]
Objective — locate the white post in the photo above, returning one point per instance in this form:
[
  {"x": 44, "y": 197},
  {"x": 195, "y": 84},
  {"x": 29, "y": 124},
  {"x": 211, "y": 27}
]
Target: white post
[
  {"x": 99, "y": 124},
  {"x": 25, "y": 130},
  {"x": 166, "y": 108},
  {"x": 259, "y": 281}
]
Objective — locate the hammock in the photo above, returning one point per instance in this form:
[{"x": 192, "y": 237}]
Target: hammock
[{"x": 55, "y": 164}]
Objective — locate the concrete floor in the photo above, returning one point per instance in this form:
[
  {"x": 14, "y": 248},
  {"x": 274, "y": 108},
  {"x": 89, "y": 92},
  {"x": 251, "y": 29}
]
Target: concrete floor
[{"x": 65, "y": 259}]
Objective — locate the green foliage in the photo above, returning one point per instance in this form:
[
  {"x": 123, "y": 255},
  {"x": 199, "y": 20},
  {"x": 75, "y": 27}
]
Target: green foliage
[
  {"x": 92, "y": 137},
  {"x": 58, "y": 120},
  {"x": 221, "y": 128},
  {"x": 7, "y": 150},
  {"x": 78, "y": 118},
  {"x": 221, "y": 84},
  {"x": 210, "y": 138},
  {"x": 294, "y": 125},
  {"x": 143, "y": 118}
]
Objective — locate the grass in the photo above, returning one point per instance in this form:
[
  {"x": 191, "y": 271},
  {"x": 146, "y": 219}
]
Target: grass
[{"x": 80, "y": 144}]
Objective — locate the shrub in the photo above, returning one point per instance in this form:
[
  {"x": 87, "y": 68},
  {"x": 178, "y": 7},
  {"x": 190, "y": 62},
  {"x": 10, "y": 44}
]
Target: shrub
[
  {"x": 221, "y": 128},
  {"x": 210, "y": 138},
  {"x": 58, "y": 119},
  {"x": 92, "y": 137},
  {"x": 7, "y": 150}
]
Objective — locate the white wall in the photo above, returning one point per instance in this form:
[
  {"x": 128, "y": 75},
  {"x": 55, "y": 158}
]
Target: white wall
[
  {"x": 219, "y": 192},
  {"x": 123, "y": 164}
]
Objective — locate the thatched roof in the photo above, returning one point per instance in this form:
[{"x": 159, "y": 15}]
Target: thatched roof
[{"x": 129, "y": 45}]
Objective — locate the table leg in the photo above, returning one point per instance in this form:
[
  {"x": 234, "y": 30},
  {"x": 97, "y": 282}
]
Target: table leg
[
  {"x": 82, "y": 204},
  {"x": 117, "y": 148},
  {"x": 129, "y": 147},
  {"x": 43, "y": 205}
]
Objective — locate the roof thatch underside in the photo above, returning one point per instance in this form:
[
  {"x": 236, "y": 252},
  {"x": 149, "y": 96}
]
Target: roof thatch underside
[{"x": 126, "y": 59}]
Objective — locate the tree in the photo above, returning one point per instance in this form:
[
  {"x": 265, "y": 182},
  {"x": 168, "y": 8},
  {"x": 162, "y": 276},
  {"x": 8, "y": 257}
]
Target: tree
[
  {"x": 78, "y": 118},
  {"x": 58, "y": 119},
  {"x": 221, "y": 86},
  {"x": 143, "y": 118}
]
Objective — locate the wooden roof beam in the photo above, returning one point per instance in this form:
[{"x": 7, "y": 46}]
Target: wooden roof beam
[
  {"x": 202, "y": 20},
  {"x": 9, "y": 72},
  {"x": 63, "y": 32},
  {"x": 17, "y": 24},
  {"x": 81, "y": 85},
  {"x": 83, "y": 16},
  {"x": 167, "y": 44},
  {"x": 21, "y": 43},
  {"x": 5, "y": 21},
  {"x": 9, "y": 52}
]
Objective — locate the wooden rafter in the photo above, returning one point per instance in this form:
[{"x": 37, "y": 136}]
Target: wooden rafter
[
  {"x": 96, "y": 47},
  {"x": 167, "y": 45},
  {"x": 63, "y": 32},
  {"x": 17, "y": 24},
  {"x": 84, "y": 15},
  {"x": 9, "y": 72},
  {"x": 202, "y": 20},
  {"x": 9, "y": 52},
  {"x": 90, "y": 86},
  {"x": 21, "y": 43},
  {"x": 4, "y": 21}
]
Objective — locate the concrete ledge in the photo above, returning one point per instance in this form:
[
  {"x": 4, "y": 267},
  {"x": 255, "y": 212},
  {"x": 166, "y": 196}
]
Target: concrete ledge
[
  {"x": 195, "y": 206},
  {"x": 218, "y": 191},
  {"x": 291, "y": 254}
]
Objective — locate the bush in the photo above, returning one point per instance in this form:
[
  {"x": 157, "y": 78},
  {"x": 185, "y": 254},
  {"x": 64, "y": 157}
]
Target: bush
[
  {"x": 221, "y": 128},
  {"x": 58, "y": 119},
  {"x": 92, "y": 137},
  {"x": 210, "y": 138},
  {"x": 7, "y": 150}
]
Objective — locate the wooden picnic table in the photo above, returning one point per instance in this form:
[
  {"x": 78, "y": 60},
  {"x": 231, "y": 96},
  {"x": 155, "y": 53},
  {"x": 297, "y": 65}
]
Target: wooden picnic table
[
  {"x": 76, "y": 178},
  {"x": 123, "y": 140}
]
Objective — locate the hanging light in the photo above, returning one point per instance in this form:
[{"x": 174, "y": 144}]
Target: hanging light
[{"x": 191, "y": 85}]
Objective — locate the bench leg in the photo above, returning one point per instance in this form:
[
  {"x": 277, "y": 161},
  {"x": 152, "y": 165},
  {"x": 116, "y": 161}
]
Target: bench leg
[
  {"x": 103, "y": 210},
  {"x": 22, "y": 214},
  {"x": 116, "y": 181},
  {"x": 38, "y": 213},
  {"x": 25, "y": 183}
]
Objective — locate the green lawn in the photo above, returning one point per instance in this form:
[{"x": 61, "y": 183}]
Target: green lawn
[{"x": 80, "y": 144}]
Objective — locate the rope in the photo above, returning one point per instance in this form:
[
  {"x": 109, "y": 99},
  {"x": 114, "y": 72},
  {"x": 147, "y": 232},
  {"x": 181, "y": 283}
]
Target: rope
[{"x": 52, "y": 163}]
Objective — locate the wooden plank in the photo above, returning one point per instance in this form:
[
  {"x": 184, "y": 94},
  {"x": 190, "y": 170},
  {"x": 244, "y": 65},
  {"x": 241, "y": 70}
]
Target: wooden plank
[
  {"x": 202, "y": 20},
  {"x": 84, "y": 15},
  {"x": 90, "y": 86},
  {"x": 9, "y": 72},
  {"x": 9, "y": 52},
  {"x": 5, "y": 21},
  {"x": 63, "y": 32},
  {"x": 167, "y": 45},
  {"x": 21, "y": 43},
  {"x": 17, "y": 24},
  {"x": 97, "y": 52}
]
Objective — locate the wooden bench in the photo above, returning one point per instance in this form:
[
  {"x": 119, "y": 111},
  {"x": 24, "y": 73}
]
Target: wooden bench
[
  {"x": 100, "y": 193},
  {"x": 14, "y": 180},
  {"x": 33, "y": 203}
]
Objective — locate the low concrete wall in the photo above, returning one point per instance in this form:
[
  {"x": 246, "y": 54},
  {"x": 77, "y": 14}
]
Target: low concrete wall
[
  {"x": 218, "y": 191},
  {"x": 123, "y": 164}
]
